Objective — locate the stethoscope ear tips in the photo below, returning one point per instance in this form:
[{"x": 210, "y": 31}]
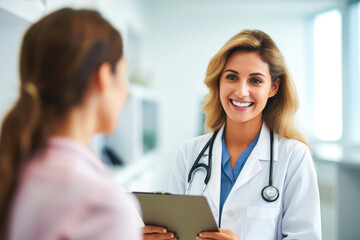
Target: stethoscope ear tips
[{"x": 270, "y": 193}]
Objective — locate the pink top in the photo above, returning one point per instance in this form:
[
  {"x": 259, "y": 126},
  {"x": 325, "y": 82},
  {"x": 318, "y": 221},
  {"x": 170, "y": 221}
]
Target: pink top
[{"x": 65, "y": 192}]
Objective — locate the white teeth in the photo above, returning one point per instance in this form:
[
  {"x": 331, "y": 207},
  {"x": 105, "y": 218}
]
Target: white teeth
[{"x": 240, "y": 104}]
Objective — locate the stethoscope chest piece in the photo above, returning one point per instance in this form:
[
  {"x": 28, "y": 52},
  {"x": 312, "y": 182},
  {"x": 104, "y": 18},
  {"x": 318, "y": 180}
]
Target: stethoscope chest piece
[{"x": 270, "y": 193}]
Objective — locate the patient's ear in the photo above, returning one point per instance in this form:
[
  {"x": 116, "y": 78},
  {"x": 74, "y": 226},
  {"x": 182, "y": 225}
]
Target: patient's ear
[{"x": 103, "y": 77}]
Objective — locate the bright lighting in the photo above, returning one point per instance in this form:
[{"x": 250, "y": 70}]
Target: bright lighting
[{"x": 328, "y": 76}]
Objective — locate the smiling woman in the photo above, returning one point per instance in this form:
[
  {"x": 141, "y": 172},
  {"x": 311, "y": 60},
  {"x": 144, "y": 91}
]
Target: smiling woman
[
  {"x": 280, "y": 110},
  {"x": 263, "y": 182},
  {"x": 245, "y": 87}
]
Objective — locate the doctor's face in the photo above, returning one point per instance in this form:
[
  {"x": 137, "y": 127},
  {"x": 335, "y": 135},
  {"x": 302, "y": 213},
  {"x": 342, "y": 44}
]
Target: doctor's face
[{"x": 245, "y": 86}]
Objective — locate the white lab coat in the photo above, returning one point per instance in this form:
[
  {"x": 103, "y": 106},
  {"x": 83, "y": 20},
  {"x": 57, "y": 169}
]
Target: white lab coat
[{"x": 294, "y": 215}]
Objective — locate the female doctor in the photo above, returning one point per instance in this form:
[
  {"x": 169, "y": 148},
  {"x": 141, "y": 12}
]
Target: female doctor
[{"x": 260, "y": 181}]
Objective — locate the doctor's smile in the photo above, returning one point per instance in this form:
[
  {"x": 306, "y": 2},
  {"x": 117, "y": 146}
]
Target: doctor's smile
[
  {"x": 241, "y": 105},
  {"x": 245, "y": 86}
]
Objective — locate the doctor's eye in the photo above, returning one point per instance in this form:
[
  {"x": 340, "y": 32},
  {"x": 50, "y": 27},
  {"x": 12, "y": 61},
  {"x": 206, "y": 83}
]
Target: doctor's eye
[
  {"x": 256, "y": 80},
  {"x": 232, "y": 77}
]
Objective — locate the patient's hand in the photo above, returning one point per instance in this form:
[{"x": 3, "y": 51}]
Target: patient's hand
[{"x": 157, "y": 233}]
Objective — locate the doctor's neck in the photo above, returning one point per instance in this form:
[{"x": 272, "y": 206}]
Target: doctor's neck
[{"x": 241, "y": 133}]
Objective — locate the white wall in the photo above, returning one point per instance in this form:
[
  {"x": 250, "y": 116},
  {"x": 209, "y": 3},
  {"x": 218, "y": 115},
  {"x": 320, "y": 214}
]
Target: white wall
[
  {"x": 12, "y": 29},
  {"x": 17, "y": 15},
  {"x": 123, "y": 14}
]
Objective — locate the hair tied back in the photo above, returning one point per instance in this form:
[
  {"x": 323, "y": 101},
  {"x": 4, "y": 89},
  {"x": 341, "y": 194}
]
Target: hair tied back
[
  {"x": 30, "y": 88},
  {"x": 33, "y": 105}
]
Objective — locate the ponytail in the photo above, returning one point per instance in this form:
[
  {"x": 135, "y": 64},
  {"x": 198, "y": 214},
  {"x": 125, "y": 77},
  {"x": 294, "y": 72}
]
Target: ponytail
[
  {"x": 19, "y": 135},
  {"x": 58, "y": 58}
]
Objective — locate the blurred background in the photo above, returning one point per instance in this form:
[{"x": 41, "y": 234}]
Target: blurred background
[{"x": 168, "y": 44}]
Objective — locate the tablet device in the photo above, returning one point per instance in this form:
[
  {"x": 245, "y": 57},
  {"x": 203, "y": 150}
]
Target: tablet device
[{"x": 185, "y": 215}]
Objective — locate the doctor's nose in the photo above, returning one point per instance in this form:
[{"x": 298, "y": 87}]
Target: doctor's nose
[{"x": 242, "y": 89}]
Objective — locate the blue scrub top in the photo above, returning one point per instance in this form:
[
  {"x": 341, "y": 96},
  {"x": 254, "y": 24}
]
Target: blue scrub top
[{"x": 229, "y": 175}]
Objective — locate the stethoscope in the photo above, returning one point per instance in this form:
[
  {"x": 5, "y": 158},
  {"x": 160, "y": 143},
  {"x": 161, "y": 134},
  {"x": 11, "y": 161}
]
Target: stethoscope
[{"x": 268, "y": 193}]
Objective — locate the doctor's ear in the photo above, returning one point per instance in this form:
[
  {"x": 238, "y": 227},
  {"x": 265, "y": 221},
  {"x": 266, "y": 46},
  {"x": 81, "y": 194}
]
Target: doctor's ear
[
  {"x": 275, "y": 87},
  {"x": 103, "y": 77}
]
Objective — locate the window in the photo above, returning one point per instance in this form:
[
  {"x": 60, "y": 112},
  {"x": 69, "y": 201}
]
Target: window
[
  {"x": 328, "y": 76},
  {"x": 354, "y": 128}
]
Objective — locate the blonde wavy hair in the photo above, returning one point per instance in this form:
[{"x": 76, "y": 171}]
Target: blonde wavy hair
[{"x": 279, "y": 112}]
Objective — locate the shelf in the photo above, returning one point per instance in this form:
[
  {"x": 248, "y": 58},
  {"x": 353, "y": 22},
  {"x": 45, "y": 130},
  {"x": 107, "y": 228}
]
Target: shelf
[
  {"x": 335, "y": 153},
  {"x": 29, "y": 11}
]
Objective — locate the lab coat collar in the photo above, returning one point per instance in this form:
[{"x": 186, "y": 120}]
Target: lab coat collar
[
  {"x": 251, "y": 168},
  {"x": 215, "y": 179},
  {"x": 263, "y": 145},
  {"x": 261, "y": 151},
  {"x": 216, "y": 142}
]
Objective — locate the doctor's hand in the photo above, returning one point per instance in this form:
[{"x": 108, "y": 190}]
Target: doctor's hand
[
  {"x": 223, "y": 234},
  {"x": 157, "y": 233}
]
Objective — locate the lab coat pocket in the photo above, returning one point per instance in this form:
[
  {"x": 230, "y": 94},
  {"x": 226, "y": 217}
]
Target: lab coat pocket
[{"x": 261, "y": 223}]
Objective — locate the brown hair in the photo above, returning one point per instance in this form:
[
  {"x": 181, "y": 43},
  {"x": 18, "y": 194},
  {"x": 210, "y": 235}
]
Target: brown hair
[
  {"x": 59, "y": 55},
  {"x": 279, "y": 112}
]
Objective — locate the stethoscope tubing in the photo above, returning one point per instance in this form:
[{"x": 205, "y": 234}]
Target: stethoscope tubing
[
  {"x": 197, "y": 165},
  {"x": 270, "y": 189},
  {"x": 271, "y": 157}
]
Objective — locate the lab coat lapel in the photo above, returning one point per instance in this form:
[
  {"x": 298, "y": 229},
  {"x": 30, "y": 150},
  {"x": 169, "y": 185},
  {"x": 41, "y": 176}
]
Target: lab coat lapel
[
  {"x": 253, "y": 166},
  {"x": 215, "y": 179}
]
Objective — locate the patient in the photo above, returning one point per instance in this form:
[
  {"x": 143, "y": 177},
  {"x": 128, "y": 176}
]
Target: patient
[{"x": 72, "y": 73}]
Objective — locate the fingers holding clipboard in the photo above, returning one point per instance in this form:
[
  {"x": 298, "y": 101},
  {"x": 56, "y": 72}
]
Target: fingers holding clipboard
[{"x": 184, "y": 215}]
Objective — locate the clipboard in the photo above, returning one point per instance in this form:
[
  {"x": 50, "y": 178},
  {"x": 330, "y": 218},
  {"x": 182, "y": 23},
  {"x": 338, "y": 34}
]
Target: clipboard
[{"x": 185, "y": 215}]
